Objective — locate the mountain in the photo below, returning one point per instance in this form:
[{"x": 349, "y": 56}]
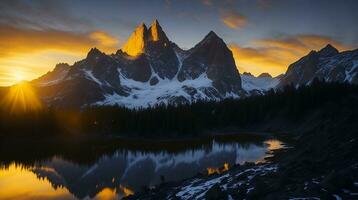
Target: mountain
[
  {"x": 326, "y": 64},
  {"x": 260, "y": 84},
  {"x": 149, "y": 70}
]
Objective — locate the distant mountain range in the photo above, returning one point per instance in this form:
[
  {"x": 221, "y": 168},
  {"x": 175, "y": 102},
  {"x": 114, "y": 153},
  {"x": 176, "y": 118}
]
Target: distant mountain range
[{"x": 151, "y": 70}]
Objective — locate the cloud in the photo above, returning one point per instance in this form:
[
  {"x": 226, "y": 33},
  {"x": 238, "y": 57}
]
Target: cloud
[
  {"x": 34, "y": 52},
  {"x": 275, "y": 55},
  {"x": 207, "y": 2},
  {"x": 233, "y": 19},
  {"x": 41, "y": 14},
  {"x": 15, "y": 40},
  {"x": 104, "y": 39}
]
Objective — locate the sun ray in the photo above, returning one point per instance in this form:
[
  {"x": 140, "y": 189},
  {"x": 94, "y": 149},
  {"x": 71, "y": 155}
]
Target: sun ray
[{"x": 21, "y": 97}]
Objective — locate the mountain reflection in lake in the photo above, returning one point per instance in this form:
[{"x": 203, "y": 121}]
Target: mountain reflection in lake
[{"x": 123, "y": 172}]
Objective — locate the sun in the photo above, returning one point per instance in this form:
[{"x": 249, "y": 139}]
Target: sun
[{"x": 18, "y": 77}]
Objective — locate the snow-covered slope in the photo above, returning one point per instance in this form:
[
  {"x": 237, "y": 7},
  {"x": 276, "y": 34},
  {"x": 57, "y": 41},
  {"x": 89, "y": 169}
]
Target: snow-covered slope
[{"x": 166, "y": 91}]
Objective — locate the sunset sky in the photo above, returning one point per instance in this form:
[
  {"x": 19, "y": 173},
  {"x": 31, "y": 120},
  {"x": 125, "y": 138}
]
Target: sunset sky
[{"x": 264, "y": 35}]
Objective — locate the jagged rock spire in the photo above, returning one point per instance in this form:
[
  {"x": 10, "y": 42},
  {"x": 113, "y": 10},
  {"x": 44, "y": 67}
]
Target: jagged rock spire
[
  {"x": 94, "y": 52},
  {"x": 136, "y": 42},
  {"x": 141, "y": 37},
  {"x": 156, "y": 32}
]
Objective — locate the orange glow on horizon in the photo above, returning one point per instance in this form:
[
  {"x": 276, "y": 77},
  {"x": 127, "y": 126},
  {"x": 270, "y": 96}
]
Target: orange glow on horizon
[{"x": 35, "y": 52}]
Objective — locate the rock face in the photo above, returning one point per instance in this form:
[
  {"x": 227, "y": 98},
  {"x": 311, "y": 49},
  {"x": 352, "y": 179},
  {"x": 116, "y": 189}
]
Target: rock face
[
  {"x": 213, "y": 57},
  {"x": 327, "y": 64},
  {"x": 57, "y": 74},
  {"x": 149, "y": 70}
]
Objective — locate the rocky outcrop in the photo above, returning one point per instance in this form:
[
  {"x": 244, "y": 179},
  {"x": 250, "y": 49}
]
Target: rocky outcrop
[
  {"x": 51, "y": 77},
  {"x": 213, "y": 57}
]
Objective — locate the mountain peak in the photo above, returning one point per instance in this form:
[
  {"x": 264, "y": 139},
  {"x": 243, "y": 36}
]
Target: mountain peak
[
  {"x": 265, "y": 75},
  {"x": 212, "y": 37},
  {"x": 94, "y": 52},
  {"x": 61, "y": 66},
  {"x": 155, "y": 23},
  {"x": 156, "y": 32},
  {"x": 247, "y": 74},
  {"x": 328, "y": 51},
  {"x": 141, "y": 27},
  {"x": 212, "y": 34},
  {"x": 136, "y": 42}
]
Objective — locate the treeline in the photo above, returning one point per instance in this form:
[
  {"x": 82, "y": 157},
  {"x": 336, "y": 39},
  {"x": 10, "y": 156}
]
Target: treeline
[{"x": 290, "y": 103}]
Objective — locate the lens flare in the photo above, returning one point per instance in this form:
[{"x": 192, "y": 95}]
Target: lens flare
[{"x": 21, "y": 98}]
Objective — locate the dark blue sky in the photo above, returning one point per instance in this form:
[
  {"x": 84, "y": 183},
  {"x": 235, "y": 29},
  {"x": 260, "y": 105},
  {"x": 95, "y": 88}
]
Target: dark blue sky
[
  {"x": 187, "y": 21},
  {"x": 264, "y": 35}
]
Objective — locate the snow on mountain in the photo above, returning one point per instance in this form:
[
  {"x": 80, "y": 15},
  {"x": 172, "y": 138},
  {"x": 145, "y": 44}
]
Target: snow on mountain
[
  {"x": 164, "y": 92},
  {"x": 260, "y": 83}
]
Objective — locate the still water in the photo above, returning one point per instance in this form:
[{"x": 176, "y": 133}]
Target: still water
[{"x": 124, "y": 171}]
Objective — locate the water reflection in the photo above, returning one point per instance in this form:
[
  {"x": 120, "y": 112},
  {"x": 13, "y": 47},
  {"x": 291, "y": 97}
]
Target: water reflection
[{"x": 124, "y": 172}]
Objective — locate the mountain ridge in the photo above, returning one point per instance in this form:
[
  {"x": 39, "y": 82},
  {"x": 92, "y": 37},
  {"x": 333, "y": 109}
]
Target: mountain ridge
[
  {"x": 151, "y": 70},
  {"x": 327, "y": 64}
]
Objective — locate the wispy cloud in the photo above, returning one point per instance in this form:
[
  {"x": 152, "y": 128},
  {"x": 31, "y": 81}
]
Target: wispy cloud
[
  {"x": 274, "y": 55},
  {"x": 41, "y": 14},
  {"x": 207, "y": 2},
  {"x": 233, "y": 19}
]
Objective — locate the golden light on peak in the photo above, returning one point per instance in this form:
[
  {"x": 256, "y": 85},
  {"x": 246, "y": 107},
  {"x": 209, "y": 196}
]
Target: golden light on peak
[
  {"x": 21, "y": 97},
  {"x": 136, "y": 42}
]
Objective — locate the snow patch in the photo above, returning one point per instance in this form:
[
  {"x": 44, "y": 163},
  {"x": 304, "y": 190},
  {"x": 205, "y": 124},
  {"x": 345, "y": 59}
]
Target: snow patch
[
  {"x": 90, "y": 75},
  {"x": 142, "y": 94},
  {"x": 250, "y": 83}
]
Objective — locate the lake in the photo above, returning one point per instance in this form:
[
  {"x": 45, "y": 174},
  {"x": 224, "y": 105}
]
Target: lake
[{"x": 123, "y": 170}]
